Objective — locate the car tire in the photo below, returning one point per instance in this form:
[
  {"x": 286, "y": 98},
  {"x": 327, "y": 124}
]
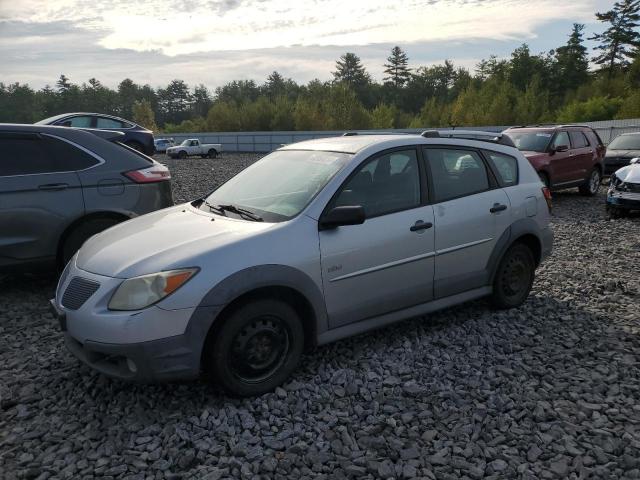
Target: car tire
[
  {"x": 213, "y": 153},
  {"x": 182, "y": 154},
  {"x": 80, "y": 234},
  {"x": 544, "y": 178},
  {"x": 514, "y": 277},
  {"x": 135, "y": 145},
  {"x": 256, "y": 348},
  {"x": 592, "y": 185}
]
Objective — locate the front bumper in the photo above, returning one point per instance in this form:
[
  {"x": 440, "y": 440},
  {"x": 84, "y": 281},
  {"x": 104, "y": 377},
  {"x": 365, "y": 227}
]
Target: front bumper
[
  {"x": 626, "y": 200},
  {"x": 147, "y": 345},
  {"x": 167, "y": 359}
]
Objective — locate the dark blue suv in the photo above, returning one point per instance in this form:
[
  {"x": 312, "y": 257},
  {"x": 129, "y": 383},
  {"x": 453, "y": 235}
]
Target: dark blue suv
[{"x": 135, "y": 136}]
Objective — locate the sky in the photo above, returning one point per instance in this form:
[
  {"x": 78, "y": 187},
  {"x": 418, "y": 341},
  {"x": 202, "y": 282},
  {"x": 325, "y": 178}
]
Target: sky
[{"x": 212, "y": 42}]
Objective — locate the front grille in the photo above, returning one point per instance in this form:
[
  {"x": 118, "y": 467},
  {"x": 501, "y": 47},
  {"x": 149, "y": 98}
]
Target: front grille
[{"x": 78, "y": 292}]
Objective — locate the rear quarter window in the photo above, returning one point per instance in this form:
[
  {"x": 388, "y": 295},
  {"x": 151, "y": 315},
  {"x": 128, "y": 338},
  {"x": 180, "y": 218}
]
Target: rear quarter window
[{"x": 505, "y": 167}]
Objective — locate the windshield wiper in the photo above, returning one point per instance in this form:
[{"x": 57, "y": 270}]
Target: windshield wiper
[
  {"x": 240, "y": 211},
  {"x": 234, "y": 209}
]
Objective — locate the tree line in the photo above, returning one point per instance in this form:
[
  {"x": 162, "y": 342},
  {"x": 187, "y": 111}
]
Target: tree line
[{"x": 527, "y": 88}]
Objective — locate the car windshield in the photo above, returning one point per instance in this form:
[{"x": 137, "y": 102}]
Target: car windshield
[
  {"x": 625, "y": 142},
  {"x": 530, "y": 141},
  {"x": 281, "y": 184},
  {"x": 185, "y": 142}
]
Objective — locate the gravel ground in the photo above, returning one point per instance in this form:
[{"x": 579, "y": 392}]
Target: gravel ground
[{"x": 551, "y": 390}]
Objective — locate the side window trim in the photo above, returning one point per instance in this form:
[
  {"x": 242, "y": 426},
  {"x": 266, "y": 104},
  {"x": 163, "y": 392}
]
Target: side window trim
[{"x": 423, "y": 197}]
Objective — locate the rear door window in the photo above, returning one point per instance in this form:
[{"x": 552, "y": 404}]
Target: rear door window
[
  {"x": 456, "y": 173},
  {"x": 109, "y": 123},
  {"x": 578, "y": 140},
  {"x": 32, "y": 155}
]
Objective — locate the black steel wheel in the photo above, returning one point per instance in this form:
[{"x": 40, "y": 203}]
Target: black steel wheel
[
  {"x": 256, "y": 348},
  {"x": 182, "y": 154},
  {"x": 213, "y": 153},
  {"x": 514, "y": 277}
]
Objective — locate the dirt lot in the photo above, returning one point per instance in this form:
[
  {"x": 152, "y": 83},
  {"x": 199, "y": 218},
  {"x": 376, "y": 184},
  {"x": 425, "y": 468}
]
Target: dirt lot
[{"x": 551, "y": 390}]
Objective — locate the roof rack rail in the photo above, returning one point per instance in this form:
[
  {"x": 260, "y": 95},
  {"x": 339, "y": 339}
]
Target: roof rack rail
[{"x": 480, "y": 135}]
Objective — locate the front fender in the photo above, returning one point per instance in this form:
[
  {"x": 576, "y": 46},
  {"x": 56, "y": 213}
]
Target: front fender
[{"x": 251, "y": 279}]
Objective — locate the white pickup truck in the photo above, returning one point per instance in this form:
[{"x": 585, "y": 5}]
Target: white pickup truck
[{"x": 192, "y": 147}]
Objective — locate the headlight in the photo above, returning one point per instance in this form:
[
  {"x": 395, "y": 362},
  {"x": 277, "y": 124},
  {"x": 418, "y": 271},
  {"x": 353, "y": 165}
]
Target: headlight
[{"x": 140, "y": 292}]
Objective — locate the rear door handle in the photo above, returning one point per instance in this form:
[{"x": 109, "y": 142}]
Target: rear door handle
[
  {"x": 420, "y": 225},
  {"x": 54, "y": 186},
  {"x": 497, "y": 207}
]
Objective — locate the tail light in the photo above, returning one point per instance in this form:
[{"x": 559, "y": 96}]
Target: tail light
[
  {"x": 547, "y": 196},
  {"x": 154, "y": 173}
]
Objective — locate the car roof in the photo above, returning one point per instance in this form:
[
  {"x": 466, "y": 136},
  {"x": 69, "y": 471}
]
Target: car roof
[
  {"x": 77, "y": 114},
  {"x": 345, "y": 144},
  {"x": 356, "y": 143}
]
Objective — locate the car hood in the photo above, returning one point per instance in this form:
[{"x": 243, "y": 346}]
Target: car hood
[
  {"x": 622, "y": 153},
  {"x": 629, "y": 174},
  {"x": 171, "y": 238}
]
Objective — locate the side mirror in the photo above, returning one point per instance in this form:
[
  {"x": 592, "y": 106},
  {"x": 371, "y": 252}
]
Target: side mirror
[
  {"x": 562, "y": 148},
  {"x": 338, "y": 216},
  {"x": 635, "y": 160}
]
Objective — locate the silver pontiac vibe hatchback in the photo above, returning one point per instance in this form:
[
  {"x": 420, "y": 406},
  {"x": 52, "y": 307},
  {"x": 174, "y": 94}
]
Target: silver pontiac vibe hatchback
[{"x": 317, "y": 241}]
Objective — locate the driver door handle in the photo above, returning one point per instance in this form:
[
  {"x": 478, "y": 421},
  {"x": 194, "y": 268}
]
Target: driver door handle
[
  {"x": 54, "y": 186},
  {"x": 420, "y": 225},
  {"x": 497, "y": 207}
]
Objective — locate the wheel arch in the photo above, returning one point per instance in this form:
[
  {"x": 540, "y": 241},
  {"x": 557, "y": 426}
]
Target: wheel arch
[
  {"x": 283, "y": 282},
  {"x": 525, "y": 231}
]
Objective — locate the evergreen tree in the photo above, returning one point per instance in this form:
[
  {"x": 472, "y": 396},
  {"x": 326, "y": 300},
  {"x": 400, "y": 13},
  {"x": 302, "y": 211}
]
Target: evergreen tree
[
  {"x": 572, "y": 62},
  {"x": 201, "y": 101},
  {"x": 619, "y": 41},
  {"x": 349, "y": 70},
  {"x": 63, "y": 84},
  {"x": 397, "y": 69}
]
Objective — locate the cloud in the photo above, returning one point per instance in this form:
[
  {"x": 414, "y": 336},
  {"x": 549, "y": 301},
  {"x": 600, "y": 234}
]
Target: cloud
[
  {"x": 41, "y": 39},
  {"x": 180, "y": 27}
]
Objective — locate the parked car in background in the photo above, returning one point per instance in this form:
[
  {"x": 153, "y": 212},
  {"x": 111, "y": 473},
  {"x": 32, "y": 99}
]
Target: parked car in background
[
  {"x": 620, "y": 152},
  {"x": 624, "y": 189},
  {"x": 135, "y": 136},
  {"x": 317, "y": 241},
  {"x": 192, "y": 147},
  {"x": 59, "y": 186},
  {"x": 162, "y": 144},
  {"x": 564, "y": 156}
]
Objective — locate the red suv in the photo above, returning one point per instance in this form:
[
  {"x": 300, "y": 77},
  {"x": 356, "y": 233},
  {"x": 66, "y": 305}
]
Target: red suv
[{"x": 564, "y": 156}]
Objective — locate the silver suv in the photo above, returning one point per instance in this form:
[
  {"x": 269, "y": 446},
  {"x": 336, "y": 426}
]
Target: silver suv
[{"x": 317, "y": 241}]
